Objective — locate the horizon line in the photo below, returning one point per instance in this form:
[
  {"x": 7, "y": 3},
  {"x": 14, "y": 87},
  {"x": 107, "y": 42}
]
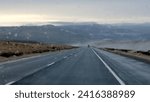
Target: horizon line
[{"x": 58, "y": 23}]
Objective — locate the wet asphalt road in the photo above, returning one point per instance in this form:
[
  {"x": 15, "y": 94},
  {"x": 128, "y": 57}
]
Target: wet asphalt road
[{"x": 82, "y": 66}]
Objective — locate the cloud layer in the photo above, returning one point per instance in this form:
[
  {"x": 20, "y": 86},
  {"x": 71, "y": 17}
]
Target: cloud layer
[{"x": 102, "y": 11}]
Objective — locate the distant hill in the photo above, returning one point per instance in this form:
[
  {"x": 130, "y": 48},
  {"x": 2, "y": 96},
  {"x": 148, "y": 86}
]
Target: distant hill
[{"x": 76, "y": 33}]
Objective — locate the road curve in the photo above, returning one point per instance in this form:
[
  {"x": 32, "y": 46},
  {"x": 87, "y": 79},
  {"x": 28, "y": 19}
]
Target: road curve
[{"x": 83, "y": 66}]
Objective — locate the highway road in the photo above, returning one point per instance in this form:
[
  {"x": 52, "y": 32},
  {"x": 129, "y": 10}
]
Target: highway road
[{"x": 82, "y": 66}]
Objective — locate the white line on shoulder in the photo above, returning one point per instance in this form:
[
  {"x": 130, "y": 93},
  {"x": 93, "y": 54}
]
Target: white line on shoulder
[
  {"x": 10, "y": 83},
  {"x": 110, "y": 69},
  {"x": 51, "y": 64}
]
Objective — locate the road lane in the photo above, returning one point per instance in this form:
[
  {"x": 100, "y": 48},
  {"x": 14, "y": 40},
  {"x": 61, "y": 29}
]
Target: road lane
[
  {"x": 76, "y": 67},
  {"x": 15, "y": 70},
  {"x": 131, "y": 71},
  {"x": 84, "y": 68},
  {"x": 110, "y": 69}
]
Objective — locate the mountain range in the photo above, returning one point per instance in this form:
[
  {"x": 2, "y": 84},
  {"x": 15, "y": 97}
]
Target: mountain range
[{"x": 70, "y": 33}]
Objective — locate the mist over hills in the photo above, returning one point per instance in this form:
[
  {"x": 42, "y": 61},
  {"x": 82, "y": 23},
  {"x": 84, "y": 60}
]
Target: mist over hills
[{"x": 71, "y": 33}]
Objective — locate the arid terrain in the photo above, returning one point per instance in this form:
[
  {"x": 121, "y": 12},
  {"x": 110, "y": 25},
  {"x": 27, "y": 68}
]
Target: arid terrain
[
  {"x": 10, "y": 49},
  {"x": 140, "y": 55},
  {"x": 136, "y": 45}
]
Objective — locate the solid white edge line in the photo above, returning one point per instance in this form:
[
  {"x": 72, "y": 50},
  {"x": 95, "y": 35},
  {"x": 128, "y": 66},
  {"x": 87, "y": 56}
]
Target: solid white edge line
[
  {"x": 10, "y": 83},
  {"x": 51, "y": 64},
  {"x": 21, "y": 59},
  {"x": 110, "y": 69}
]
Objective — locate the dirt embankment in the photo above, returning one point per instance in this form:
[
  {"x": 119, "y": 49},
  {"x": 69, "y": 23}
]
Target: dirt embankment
[
  {"x": 140, "y": 55},
  {"x": 10, "y": 49}
]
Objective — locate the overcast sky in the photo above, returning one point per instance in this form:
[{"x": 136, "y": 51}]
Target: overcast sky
[{"x": 101, "y": 11}]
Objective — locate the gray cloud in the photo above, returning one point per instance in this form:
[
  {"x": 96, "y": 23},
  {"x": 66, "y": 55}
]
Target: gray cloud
[{"x": 79, "y": 9}]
